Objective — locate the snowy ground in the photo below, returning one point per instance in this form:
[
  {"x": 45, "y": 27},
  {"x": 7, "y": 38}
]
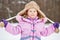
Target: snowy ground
[{"x": 7, "y": 36}]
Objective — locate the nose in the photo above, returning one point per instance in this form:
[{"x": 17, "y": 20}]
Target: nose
[{"x": 32, "y": 12}]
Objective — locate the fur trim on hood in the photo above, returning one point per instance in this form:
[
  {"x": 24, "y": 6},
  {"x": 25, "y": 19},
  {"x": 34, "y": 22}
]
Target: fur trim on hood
[{"x": 32, "y": 4}]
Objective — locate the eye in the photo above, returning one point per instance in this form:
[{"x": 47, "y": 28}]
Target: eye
[
  {"x": 30, "y": 11},
  {"x": 34, "y": 11}
]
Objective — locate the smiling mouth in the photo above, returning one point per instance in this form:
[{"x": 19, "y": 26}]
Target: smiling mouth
[{"x": 32, "y": 15}]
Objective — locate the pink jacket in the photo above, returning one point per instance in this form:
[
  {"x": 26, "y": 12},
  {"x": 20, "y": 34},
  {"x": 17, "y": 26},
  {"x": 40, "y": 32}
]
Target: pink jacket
[{"x": 30, "y": 29}]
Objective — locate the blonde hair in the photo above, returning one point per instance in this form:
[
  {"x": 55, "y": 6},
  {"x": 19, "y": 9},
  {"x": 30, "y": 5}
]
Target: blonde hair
[{"x": 25, "y": 15}]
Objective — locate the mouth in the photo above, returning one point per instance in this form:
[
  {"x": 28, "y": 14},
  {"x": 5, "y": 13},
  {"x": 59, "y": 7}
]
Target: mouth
[{"x": 32, "y": 15}]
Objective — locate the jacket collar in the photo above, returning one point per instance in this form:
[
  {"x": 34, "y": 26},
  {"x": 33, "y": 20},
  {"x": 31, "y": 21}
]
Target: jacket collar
[
  {"x": 32, "y": 19},
  {"x": 29, "y": 20}
]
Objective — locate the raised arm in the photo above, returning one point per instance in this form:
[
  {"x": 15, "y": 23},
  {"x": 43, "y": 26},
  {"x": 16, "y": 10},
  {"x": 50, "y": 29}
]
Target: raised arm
[
  {"x": 11, "y": 29},
  {"x": 49, "y": 30}
]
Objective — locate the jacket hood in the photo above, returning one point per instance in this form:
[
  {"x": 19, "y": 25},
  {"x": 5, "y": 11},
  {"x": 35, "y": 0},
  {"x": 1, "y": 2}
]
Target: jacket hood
[
  {"x": 29, "y": 5},
  {"x": 32, "y": 4}
]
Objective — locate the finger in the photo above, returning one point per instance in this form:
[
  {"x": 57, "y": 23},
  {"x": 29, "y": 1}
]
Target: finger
[
  {"x": 1, "y": 24},
  {"x": 56, "y": 30}
]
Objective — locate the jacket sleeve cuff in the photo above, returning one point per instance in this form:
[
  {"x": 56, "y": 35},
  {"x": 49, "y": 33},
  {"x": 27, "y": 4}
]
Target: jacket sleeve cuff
[
  {"x": 5, "y": 22},
  {"x": 56, "y": 25}
]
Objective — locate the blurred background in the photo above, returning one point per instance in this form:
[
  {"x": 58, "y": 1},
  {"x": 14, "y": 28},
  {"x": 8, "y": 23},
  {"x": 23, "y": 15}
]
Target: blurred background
[{"x": 10, "y": 8}]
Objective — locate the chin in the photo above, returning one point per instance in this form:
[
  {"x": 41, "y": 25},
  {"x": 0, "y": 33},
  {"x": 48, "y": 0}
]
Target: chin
[{"x": 33, "y": 17}]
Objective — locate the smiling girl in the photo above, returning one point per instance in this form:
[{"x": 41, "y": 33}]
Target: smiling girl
[{"x": 31, "y": 24}]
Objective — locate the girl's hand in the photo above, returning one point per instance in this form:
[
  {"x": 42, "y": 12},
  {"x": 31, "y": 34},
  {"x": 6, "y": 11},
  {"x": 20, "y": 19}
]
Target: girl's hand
[
  {"x": 56, "y": 30},
  {"x": 1, "y": 24},
  {"x": 56, "y": 26}
]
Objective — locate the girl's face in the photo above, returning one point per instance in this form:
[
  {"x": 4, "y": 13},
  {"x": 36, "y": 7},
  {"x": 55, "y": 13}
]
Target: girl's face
[{"x": 32, "y": 13}]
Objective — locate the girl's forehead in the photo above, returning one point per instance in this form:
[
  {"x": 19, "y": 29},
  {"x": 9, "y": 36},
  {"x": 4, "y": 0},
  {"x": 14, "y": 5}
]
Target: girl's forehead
[{"x": 32, "y": 9}]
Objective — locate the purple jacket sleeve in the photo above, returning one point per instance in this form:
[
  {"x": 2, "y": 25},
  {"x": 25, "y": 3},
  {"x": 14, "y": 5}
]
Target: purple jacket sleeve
[
  {"x": 13, "y": 30},
  {"x": 50, "y": 29},
  {"x": 47, "y": 31}
]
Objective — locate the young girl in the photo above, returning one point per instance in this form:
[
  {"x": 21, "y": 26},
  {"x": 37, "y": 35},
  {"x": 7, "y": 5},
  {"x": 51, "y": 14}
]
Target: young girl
[{"x": 31, "y": 23}]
